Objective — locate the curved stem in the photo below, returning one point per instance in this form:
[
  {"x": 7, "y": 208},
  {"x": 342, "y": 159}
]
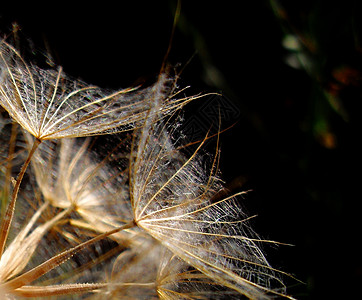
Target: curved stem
[
  {"x": 9, "y": 164},
  {"x": 8, "y": 217},
  {"x": 58, "y": 290},
  {"x": 71, "y": 289},
  {"x": 50, "y": 264}
]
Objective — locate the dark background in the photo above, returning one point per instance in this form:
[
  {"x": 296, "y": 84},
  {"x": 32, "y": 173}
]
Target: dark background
[{"x": 296, "y": 125}]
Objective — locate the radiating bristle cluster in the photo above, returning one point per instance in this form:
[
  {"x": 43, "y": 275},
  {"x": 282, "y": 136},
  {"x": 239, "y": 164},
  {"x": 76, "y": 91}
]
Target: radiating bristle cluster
[{"x": 110, "y": 207}]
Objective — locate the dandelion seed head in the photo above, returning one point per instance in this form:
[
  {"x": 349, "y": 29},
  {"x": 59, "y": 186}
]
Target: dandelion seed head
[{"x": 174, "y": 231}]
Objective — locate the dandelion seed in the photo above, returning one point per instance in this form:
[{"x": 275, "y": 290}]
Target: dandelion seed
[
  {"x": 51, "y": 105},
  {"x": 21, "y": 249},
  {"x": 151, "y": 271},
  {"x": 20, "y": 283},
  {"x": 177, "y": 202},
  {"x": 71, "y": 176}
]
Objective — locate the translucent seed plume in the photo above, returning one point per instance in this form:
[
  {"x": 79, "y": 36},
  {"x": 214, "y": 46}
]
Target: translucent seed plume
[
  {"x": 177, "y": 201},
  {"x": 51, "y": 105}
]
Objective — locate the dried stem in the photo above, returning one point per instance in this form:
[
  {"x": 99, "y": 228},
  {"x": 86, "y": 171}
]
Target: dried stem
[
  {"x": 58, "y": 290},
  {"x": 6, "y": 222},
  {"x": 11, "y": 151},
  {"x": 55, "y": 261}
]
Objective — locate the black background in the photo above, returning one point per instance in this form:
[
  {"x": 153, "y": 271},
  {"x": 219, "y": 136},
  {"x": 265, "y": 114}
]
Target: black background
[{"x": 298, "y": 154}]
